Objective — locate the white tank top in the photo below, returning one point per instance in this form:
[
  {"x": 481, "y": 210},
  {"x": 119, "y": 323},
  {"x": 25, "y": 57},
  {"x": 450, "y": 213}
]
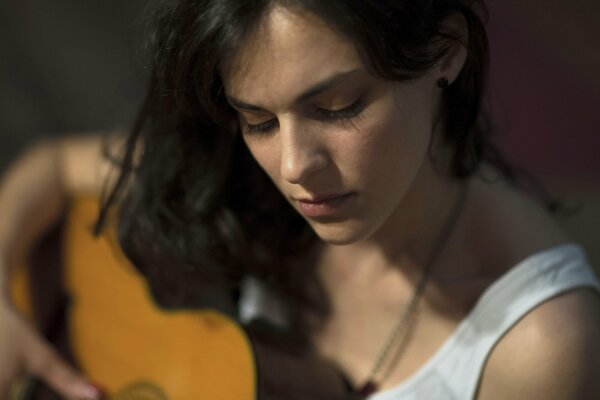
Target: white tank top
[{"x": 454, "y": 371}]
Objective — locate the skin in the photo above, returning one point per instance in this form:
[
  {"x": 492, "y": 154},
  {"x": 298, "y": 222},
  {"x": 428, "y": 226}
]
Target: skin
[
  {"x": 33, "y": 192},
  {"x": 378, "y": 242}
]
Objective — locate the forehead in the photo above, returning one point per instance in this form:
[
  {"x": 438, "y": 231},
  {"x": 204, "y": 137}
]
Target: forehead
[{"x": 290, "y": 50}]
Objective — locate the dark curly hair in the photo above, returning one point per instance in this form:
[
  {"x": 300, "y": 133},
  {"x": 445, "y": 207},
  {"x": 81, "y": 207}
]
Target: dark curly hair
[{"x": 195, "y": 211}]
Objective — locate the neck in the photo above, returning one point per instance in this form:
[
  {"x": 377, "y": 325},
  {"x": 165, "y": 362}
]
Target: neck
[{"x": 406, "y": 241}]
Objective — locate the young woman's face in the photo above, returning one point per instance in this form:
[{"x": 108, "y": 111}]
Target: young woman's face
[{"x": 343, "y": 146}]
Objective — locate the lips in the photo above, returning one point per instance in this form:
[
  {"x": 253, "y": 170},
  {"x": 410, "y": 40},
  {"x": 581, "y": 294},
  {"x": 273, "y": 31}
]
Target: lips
[
  {"x": 324, "y": 205},
  {"x": 321, "y": 199}
]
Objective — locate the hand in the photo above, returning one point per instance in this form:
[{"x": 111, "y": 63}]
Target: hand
[{"x": 23, "y": 351}]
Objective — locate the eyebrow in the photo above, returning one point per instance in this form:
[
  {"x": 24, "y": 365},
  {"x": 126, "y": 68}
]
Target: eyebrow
[{"x": 311, "y": 92}]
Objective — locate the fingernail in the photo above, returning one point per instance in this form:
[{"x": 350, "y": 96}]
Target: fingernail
[{"x": 92, "y": 391}]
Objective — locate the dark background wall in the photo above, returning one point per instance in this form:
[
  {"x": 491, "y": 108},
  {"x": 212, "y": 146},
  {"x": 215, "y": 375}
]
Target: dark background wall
[
  {"x": 65, "y": 66},
  {"x": 545, "y": 85},
  {"x": 545, "y": 94},
  {"x": 70, "y": 66}
]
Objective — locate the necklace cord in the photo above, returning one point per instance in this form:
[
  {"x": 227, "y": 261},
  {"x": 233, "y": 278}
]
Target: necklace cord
[{"x": 400, "y": 328}]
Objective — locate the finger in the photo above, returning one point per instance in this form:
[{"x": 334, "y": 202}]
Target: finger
[
  {"x": 8, "y": 377},
  {"x": 45, "y": 363}
]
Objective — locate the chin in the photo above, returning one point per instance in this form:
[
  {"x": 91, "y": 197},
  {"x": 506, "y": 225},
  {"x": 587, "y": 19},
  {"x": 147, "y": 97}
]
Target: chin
[{"x": 341, "y": 234}]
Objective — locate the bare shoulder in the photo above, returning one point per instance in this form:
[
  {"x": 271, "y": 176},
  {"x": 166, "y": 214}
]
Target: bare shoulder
[{"x": 553, "y": 353}]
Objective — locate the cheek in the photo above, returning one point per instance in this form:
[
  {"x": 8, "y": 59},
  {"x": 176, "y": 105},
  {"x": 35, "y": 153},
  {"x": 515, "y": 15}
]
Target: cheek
[{"x": 390, "y": 145}]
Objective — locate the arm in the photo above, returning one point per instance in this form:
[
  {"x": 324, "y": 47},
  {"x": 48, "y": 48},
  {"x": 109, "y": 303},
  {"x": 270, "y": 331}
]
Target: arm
[
  {"x": 552, "y": 354},
  {"x": 32, "y": 195},
  {"x": 34, "y": 189}
]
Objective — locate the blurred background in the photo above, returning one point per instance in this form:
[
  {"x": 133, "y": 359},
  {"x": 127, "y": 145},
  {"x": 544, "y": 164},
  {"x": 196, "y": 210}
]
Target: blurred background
[
  {"x": 71, "y": 66},
  {"x": 65, "y": 67}
]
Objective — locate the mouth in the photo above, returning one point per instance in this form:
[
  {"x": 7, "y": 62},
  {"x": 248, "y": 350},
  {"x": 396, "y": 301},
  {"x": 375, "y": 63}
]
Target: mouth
[{"x": 319, "y": 206}]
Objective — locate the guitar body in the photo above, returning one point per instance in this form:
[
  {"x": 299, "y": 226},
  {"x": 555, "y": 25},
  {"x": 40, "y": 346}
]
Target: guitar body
[
  {"x": 101, "y": 317},
  {"x": 130, "y": 347}
]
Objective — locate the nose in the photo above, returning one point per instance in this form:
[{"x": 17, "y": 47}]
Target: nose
[{"x": 301, "y": 154}]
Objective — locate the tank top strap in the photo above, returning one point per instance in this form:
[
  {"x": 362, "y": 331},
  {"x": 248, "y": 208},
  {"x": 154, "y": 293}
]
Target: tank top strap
[{"x": 455, "y": 370}]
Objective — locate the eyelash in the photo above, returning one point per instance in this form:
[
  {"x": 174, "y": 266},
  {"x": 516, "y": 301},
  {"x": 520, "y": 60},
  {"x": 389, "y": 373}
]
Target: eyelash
[{"x": 344, "y": 114}]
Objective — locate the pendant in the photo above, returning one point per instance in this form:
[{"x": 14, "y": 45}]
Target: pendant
[{"x": 368, "y": 389}]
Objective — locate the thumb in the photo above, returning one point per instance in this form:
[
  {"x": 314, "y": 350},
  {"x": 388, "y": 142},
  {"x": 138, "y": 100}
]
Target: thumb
[{"x": 45, "y": 363}]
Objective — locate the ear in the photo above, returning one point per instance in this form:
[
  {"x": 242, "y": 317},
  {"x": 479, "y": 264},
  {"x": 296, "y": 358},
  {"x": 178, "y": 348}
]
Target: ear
[{"x": 455, "y": 30}]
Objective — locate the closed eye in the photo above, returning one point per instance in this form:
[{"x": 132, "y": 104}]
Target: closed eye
[
  {"x": 345, "y": 113},
  {"x": 262, "y": 127},
  {"x": 322, "y": 114}
]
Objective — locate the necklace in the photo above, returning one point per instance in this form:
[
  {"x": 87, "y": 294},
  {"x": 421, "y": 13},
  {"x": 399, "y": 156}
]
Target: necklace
[{"x": 400, "y": 329}]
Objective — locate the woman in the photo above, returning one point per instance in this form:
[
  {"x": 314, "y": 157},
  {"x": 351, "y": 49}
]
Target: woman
[
  {"x": 329, "y": 164},
  {"x": 432, "y": 274}
]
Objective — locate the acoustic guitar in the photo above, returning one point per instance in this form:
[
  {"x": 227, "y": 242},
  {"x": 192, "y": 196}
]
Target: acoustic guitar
[
  {"x": 115, "y": 334},
  {"x": 126, "y": 344}
]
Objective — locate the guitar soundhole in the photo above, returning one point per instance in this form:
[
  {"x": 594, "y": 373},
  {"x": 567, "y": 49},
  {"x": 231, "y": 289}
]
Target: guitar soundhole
[{"x": 140, "y": 391}]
